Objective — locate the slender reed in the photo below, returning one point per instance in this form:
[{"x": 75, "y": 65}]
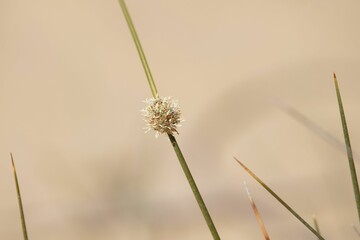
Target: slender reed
[
  {"x": 348, "y": 148},
  {"x": 173, "y": 141},
  {"x": 22, "y": 215}
]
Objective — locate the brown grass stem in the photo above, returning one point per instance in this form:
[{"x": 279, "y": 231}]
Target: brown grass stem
[{"x": 257, "y": 214}]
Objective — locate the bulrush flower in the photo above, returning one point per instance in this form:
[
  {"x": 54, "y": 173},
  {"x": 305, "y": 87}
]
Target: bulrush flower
[{"x": 162, "y": 115}]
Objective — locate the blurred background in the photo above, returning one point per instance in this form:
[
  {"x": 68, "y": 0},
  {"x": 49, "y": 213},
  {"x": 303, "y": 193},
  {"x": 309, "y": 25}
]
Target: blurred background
[{"x": 71, "y": 90}]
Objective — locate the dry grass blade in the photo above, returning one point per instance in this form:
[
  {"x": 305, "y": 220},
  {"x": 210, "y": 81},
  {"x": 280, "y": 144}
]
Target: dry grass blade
[
  {"x": 312, "y": 126},
  {"x": 22, "y": 215},
  {"x": 280, "y": 200},
  {"x": 348, "y": 148},
  {"x": 257, "y": 214}
]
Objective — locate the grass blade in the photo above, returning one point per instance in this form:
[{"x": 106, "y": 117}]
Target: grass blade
[
  {"x": 348, "y": 148},
  {"x": 280, "y": 200},
  {"x": 312, "y": 126},
  {"x": 22, "y": 215},
  {"x": 139, "y": 49},
  {"x": 257, "y": 214}
]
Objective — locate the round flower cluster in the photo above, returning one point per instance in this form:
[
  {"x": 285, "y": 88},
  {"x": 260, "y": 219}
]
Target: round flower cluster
[{"x": 162, "y": 115}]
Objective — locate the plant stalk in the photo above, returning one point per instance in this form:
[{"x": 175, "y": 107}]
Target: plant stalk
[
  {"x": 194, "y": 188},
  {"x": 173, "y": 141},
  {"x": 139, "y": 49}
]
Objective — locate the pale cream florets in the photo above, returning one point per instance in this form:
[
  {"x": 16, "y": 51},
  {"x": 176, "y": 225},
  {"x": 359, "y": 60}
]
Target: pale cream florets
[{"x": 162, "y": 115}]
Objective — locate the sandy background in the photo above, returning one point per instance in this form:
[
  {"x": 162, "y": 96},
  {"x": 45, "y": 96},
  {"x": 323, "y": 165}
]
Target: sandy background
[{"x": 72, "y": 85}]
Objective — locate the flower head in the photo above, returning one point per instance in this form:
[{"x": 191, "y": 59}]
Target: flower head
[{"x": 162, "y": 115}]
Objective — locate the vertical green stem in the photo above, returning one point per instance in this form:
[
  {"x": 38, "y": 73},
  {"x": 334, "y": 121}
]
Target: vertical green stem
[
  {"x": 171, "y": 137},
  {"x": 348, "y": 148},
  {"x": 22, "y": 215},
  {"x": 194, "y": 188},
  {"x": 139, "y": 49}
]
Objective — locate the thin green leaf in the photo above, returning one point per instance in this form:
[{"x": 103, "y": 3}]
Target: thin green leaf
[
  {"x": 280, "y": 200},
  {"x": 22, "y": 215},
  {"x": 348, "y": 148}
]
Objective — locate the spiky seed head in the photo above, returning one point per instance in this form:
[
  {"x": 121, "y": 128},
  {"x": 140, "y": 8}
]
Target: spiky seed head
[{"x": 162, "y": 115}]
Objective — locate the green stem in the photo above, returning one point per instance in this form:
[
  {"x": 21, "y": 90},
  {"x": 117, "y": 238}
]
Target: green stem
[
  {"x": 176, "y": 147},
  {"x": 139, "y": 49},
  {"x": 348, "y": 148},
  {"x": 194, "y": 188},
  {"x": 22, "y": 215},
  {"x": 292, "y": 211}
]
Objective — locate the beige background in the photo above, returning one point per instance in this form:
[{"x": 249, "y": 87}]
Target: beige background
[{"x": 71, "y": 87}]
